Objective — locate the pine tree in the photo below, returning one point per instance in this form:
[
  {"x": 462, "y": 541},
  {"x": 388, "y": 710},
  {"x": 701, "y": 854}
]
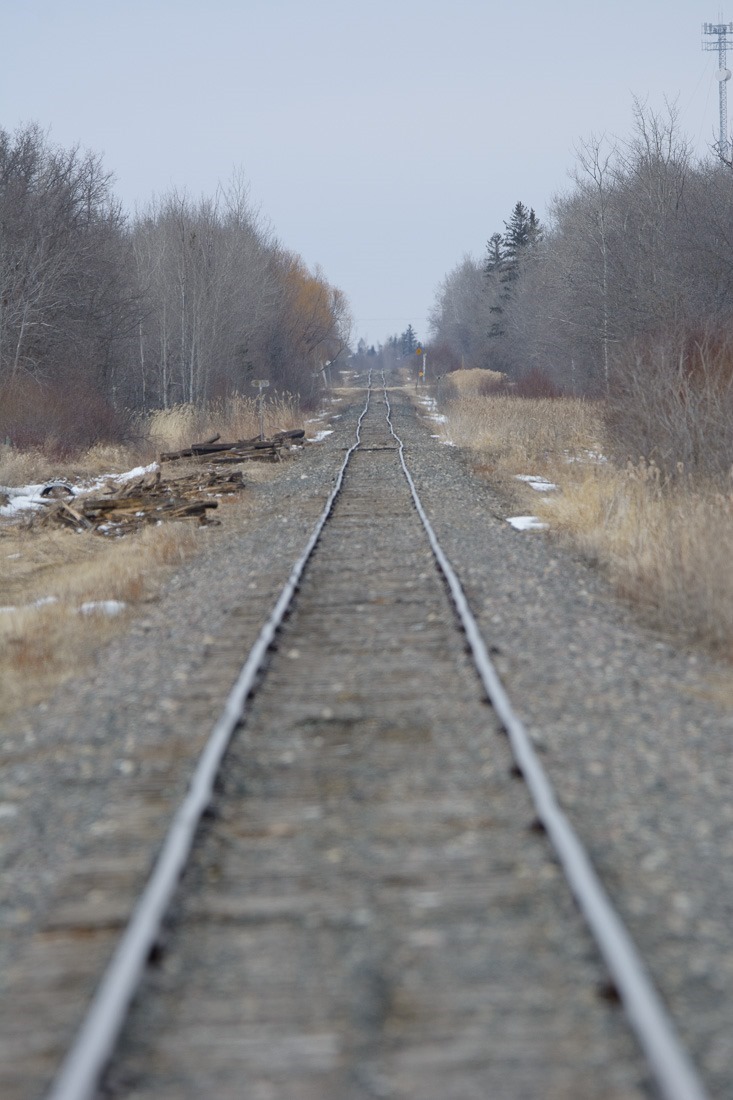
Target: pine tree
[
  {"x": 494, "y": 255},
  {"x": 505, "y": 255},
  {"x": 522, "y": 232},
  {"x": 409, "y": 341}
]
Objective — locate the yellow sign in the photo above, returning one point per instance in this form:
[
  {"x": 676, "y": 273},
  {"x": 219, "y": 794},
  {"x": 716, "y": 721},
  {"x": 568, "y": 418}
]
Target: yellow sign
[{"x": 418, "y": 350}]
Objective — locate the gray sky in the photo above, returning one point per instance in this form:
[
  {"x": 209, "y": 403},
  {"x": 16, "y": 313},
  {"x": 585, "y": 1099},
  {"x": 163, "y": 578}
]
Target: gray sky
[{"x": 382, "y": 140}]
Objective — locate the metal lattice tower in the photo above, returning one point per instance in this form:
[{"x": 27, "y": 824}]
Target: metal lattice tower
[{"x": 721, "y": 32}]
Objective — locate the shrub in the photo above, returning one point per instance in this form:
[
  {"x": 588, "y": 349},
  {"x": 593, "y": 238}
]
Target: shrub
[
  {"x": 672, "y": 403},
  {"x": 62, "y": 416},
  {"x": 537, "y": 384}
]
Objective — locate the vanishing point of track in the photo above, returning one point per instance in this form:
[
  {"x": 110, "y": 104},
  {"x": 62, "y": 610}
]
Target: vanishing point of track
[{"x": 372, "y": 1029}]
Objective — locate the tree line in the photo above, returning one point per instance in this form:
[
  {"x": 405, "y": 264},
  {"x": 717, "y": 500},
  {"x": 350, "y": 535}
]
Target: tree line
[
  {"x": 102, "y": 314},
  {"x": 639, "y": 245},
  {"x": 625, "y": 293}
]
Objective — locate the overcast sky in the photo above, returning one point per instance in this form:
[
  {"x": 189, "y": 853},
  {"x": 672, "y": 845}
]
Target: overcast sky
[{"x": 382, "y": 139}]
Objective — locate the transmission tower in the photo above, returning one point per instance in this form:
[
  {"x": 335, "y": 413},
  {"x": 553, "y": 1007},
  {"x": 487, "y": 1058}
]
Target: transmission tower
[{"x": 721, "y": 32}]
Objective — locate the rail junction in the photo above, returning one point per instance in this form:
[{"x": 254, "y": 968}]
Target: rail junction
[{"x": 359, "y": 897}]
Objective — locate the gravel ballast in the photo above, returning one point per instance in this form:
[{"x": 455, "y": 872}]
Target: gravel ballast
[{"x": 638, "y": 749}]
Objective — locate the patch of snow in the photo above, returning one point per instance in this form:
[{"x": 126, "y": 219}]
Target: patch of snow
[
  {"x": 449, "y": 443},
  {"x": 320, "y": 436},
  {"x": 541, "y": 484},
  {"x": 103, "y": 607},
  {"x": 526, "y": 523},
  {"x": 28, "y": 497},
  {"x": 21, "y": 499},
  {"x": 43, "y": 601},
  {"x": 138, "y": 471}
]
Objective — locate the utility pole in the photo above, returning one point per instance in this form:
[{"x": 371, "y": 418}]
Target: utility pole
[
  {"x": 261, "y": 385},
  {"x": 721, "y": 32}
]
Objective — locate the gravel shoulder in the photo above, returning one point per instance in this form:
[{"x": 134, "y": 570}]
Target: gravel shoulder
[{"x": 635, "y": 734}]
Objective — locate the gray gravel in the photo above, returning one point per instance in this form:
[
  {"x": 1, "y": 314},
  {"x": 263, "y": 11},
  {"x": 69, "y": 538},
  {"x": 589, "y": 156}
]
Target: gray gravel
[
  {"x": 630, "y": 730},
  {"x": 368, "y": 913},
  {"x": 632, "y": 735}
]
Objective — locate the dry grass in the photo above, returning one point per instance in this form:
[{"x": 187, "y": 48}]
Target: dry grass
[
  {"x": 667, "y": 548},
  {"x": 515, "y": 431},
  {"x": 473, "y": 382},
  {"x": 42, "y": 646},
  {"x": 232, "y": 418},
  {"x": 164, "y": 430},
  {"x": 34, "y": 467}
]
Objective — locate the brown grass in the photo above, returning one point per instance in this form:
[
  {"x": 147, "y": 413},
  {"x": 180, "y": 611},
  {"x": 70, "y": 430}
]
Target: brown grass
[
  {"x": 164, "y": 430},
  {"x": 36, "y": 466},
  {"x": 666, "y": 547},
  {"x": 515, "y": 431},
  {"x": 232, "y": 418},
  {"x": 465, "y": 383},
  {"x": 42, "y": 646}
]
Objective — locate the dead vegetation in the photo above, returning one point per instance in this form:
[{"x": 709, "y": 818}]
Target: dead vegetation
[
  {"x": 665, "y": 544},
  {"x": 57, "y": 588},
  {"x": 150, "y": 499},
  {"x": 234, "y": 418},
  {"x": 64, "y": 591}
]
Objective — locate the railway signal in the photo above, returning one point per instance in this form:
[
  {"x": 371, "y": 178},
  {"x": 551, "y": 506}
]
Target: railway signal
[{"x": 422, "y": 363}]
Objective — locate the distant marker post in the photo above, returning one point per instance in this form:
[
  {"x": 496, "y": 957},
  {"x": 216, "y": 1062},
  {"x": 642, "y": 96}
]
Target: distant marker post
[{"x": 261, "y": 384}]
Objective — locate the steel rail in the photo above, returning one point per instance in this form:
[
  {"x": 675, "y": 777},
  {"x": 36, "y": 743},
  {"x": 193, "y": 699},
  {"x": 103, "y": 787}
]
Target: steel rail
[
  {"x": 99, "y": 1032},
  {"x": 670, "y": 1065}
]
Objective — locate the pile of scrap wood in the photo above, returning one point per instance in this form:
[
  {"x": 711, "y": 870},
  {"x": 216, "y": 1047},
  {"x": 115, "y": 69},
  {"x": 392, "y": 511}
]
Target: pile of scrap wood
[
  {"x": 149, "y": 499},
  {"x": 243, "y": 450}
]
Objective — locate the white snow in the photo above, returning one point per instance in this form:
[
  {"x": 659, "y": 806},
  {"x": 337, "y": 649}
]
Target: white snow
[
  {"x": 541, "y": 484},
  {"x": 138, "y": 471},
  {"x": 103, "y": 607},
  {"x": 21, "y": 499},
  {"x": 319, "y": 436},
  {"x": 28, "y": 497},
  {"x": 526, "y": 523}
]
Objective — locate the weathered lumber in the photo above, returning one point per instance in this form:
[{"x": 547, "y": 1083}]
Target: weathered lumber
[
  {"x": 241, "y": 450},
  {"x": 145, "y": 500},
  {"x": 293, "y": 434}
]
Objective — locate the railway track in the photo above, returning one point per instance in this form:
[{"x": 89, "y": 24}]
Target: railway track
[{"x": 365, "y": 909}]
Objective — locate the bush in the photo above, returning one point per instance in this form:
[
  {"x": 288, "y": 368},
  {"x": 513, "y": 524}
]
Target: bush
[
  {"x": 535, "y": 383},
  {"x": 61, "y": 417},
  {"x": 672, "y": 403}
]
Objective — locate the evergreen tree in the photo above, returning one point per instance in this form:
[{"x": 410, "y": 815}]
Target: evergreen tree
[
  {"x": 409, "y": 341},
  {"x": 494, "y": 255},
  {"x": 522, "y": 232}
]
